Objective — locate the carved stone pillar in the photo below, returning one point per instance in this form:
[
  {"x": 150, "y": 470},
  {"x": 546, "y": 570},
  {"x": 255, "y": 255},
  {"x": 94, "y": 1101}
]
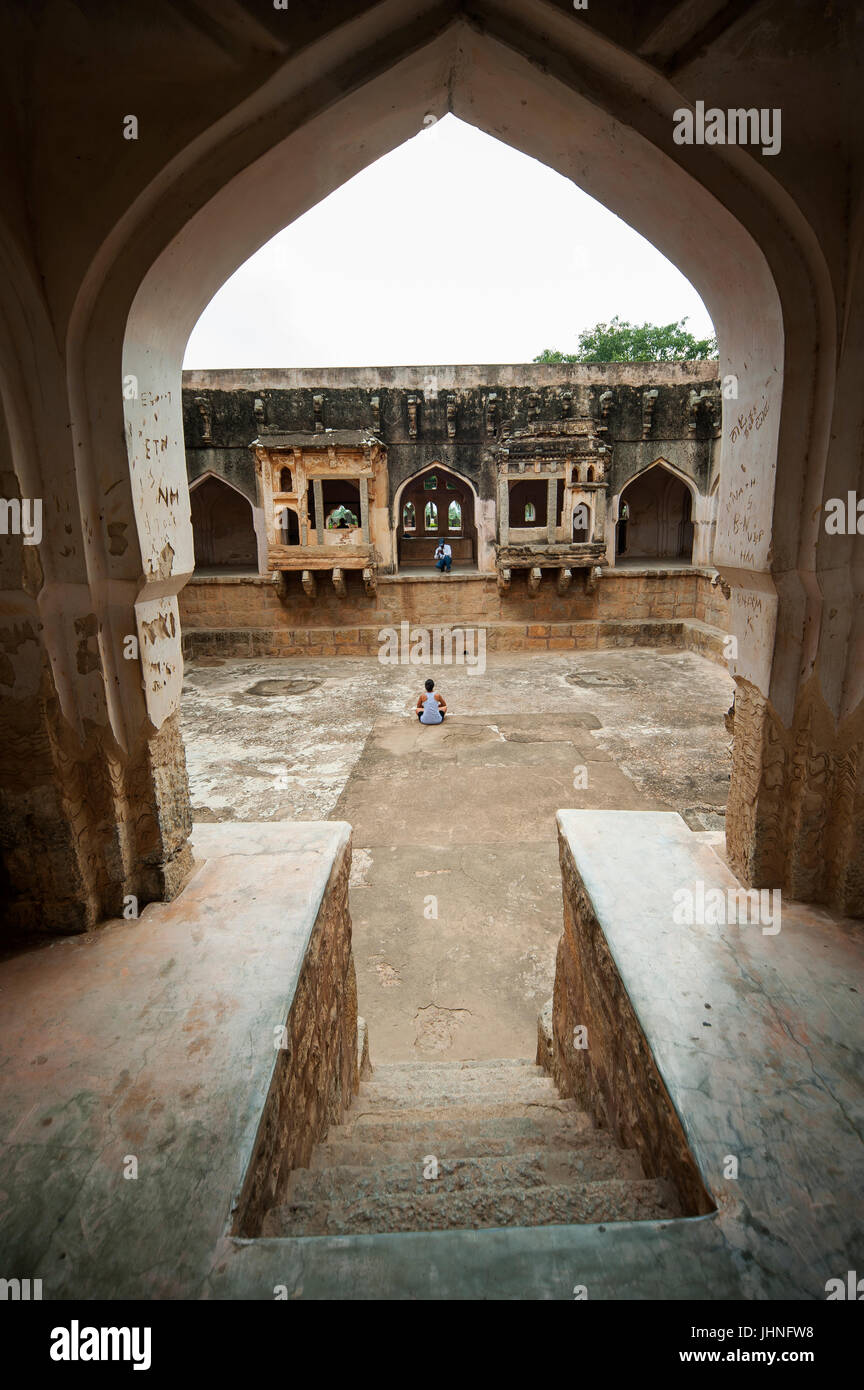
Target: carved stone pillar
[
  {"x": 503, "y": 510},
  {"x": 551, "y": 507},
  {"x": 364, "y": 508},
  {"x": 318, "y": 493}
]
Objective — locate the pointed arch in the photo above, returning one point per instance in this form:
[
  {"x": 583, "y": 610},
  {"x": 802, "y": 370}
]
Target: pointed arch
[
  {"x": 226, "y": 534},
  {"x": 444, "y": 504},
  {"x": 654, "y": 511}
]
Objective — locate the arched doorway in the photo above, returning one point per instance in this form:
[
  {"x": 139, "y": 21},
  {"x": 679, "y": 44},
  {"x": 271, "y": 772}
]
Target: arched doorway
[
  {"x": 438, "y": 505},
  {"x": 222, "y": 527},
  {"x": 655, "y": 517},
  {"x": 289, "y": 526},
  {"x": 749, "y": 264}
]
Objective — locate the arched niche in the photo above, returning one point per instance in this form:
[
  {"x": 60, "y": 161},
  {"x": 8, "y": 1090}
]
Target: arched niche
[
  {"x": 434, "y": 505},
  {"x": 223, "y": 526},
  {"x": 659, "y": 521}
]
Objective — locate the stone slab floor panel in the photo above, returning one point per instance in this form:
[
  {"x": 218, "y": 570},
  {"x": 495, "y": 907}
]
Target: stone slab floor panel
[{"x": 456, "y": 889}]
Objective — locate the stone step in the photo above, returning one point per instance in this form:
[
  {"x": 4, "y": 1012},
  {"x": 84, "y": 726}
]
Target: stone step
[
  {"x": 491, "y": 1139},
  {"x": 516, "y": 1064},
  {"x": 474, "y": 1137},
  {"x": 478, "y": 1088},
  {"x": 450, "y": 1122},
  {"x": 553, "y": 1204},
  {"x": 352, "y": 1182}
]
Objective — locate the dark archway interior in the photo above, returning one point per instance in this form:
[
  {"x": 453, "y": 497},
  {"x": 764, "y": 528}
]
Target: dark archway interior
[
  {"x": 289, "y": 529},
  {"x": 222, "y": 527},
  {"x": 436, "y": 506},
  {"x": 658, "y": 520}
]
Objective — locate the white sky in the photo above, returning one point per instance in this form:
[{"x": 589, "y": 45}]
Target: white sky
[{"x": 454, "y": 248}]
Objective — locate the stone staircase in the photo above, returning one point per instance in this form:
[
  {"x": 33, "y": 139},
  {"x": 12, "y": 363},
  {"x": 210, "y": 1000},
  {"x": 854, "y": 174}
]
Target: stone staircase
[{"x": 507, "y": 1150}]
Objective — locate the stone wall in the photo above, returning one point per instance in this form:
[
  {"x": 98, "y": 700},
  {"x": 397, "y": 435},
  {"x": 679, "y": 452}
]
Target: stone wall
[
  {"x": 316, "y": 1076},
  {"x": 224, "y": 411},
  {"x": 244, "y": 616},
  {"x": 615, "y": 1076}
]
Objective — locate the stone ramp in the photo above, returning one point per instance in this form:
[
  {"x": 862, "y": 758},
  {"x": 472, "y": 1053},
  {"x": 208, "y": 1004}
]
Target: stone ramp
[
  {"x": 465, "y": 1145},
  {"x": 456, "y": 888}
]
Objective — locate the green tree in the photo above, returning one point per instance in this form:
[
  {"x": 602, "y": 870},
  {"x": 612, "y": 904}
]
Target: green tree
[{"x": 636, "y": 342}]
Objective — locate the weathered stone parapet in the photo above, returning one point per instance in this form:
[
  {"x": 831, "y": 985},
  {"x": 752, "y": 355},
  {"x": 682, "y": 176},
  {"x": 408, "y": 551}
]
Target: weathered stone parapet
[
  {"x": 318, "y": 1073},
  {"x": 796, "y": 803},
  {"x": 596, "y": 1051},
  {"x": 584, "y": 635}
]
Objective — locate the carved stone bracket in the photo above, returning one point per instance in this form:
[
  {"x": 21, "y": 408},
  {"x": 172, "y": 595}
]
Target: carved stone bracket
[
  {"x": 338, "y": 577},
  {"x": 565, "y": 579},
  {"x": 370, "y": 581},
  {"x": 534, "y": 577},
  {"x": 204, "y": 410},
  {"x": 649, "y": 400},
  {"x": 504, "y": 581},
  {"x": 307, "y": 579},
  {"x": 605, "y": 403}
]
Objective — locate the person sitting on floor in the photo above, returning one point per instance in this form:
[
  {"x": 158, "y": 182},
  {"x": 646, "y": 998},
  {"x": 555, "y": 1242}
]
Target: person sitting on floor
[{"x": 431, "y": 707}]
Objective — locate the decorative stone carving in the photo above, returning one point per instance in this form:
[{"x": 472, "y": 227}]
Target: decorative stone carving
[
  {"x": 534, "y": 577},
  {"x": 370, "y": 582},
  {"x": 451, "y": 417},
  {"x": 566, "y": 405},
  {"x": 794, "y": 818},
  {"x": 591, "y": 577},
  {"x": 413, "y": 415},
  {"x": 649, "y": 400},
  {"x": 565, "y": 579},
  {"x": 204, "y": 410},
  {"x": 534, "y": 403},
  {"x": 694, "y": 402},
  {"x": 338, "y": 577},
  {"x": 318, "y": 411},
  {"x": 307, "y": 579},
  {"x": 376, "y": 413},
  {"x": 260, "y": 411},
  {"x": 493, "y": 411},
  {"x": 605, "y": 404}
]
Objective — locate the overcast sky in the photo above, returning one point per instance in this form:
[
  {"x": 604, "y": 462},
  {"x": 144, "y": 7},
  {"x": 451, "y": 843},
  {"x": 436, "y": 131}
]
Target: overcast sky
[{"x": 453, "y": 248}]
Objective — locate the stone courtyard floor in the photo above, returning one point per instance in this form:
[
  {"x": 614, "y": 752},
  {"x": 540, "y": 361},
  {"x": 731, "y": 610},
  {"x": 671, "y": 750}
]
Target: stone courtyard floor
[{"x": 456, "y": 894}]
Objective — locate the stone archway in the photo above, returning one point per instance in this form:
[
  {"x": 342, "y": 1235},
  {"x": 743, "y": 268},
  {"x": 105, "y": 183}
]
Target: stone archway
[
  {"x": 436, "y": 505},
  {"x": 223, "y": 526},
  {"x": 659, "y": 524},
  {"x": 722, "y": 215}
]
